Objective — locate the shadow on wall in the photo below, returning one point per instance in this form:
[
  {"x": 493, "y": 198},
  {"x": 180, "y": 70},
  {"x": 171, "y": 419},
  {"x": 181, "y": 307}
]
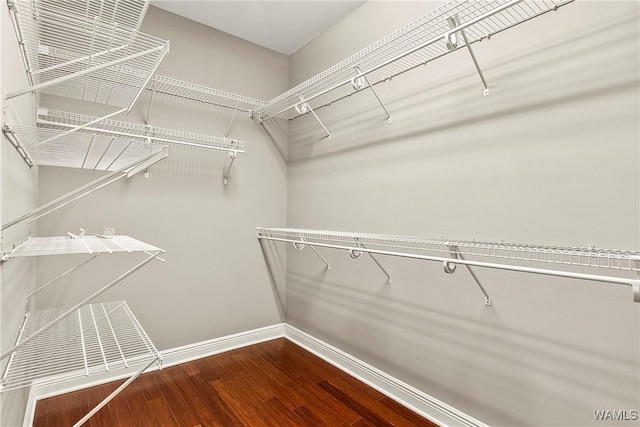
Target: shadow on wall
[
  {"x": 276, "y": 266},
  {"x": 562, "y": 73},
  {"x": 434, "y": 340},
  {"x": 276, "y": 131}
]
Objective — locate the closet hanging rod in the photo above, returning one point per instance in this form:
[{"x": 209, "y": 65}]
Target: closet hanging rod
[{"x": 287, "y": 236}]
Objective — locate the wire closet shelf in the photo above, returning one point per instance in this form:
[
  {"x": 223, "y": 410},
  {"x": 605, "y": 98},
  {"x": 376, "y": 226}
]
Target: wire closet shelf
[
  {"x": 63, "y": 245},
  {"x": 195, "y": 92},
  {"x": 108, "y": 128},
  {"x": 88, "y": 52},
  {"x": 415, "y": 44},
  {"x": 451, "y": 252},
  {"x": 96, "y": 338}
]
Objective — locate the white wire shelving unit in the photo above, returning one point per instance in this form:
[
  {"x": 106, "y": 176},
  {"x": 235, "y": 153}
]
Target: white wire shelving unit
[
  {"x": 96, "y": 338},
  {"x": 451, "y": 252},
  {"x": 60, "y": 344},
  {"x": 86, "y": 50},
  {"x": 455, "y": 25}
]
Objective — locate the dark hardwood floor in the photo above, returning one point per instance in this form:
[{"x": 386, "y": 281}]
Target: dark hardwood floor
[{"x": 275, "y": 383}]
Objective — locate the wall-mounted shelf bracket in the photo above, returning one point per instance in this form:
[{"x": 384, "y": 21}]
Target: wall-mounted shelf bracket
[
  {"x": 303, "y": 107},
  {"x": 636, "y": 286},
  {"x": 451, "y": 41},
  {"x": 354, "y": 255},
  {"x": 358, "y": 83},
  {"x": 65, "y": 274},
  {"x": 233, "y": 116},
  {"x": 300, "y": 246},
  {"x": 225, "y": 176},
  {"x": 153, "y": 95},
  {"x": 17, "y": 145},
  {"x": 450, "y": 267}
]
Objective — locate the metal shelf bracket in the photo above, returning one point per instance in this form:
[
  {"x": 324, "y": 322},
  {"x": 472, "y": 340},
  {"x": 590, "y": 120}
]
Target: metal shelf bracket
[
  {"x": 452, "y": 43},
  {"x": 303, "y": 107},
  {"x": 225, "y": 176},
  {"x": 300, "y": 246},
  {"x": 636, "y": 286},
  {"x": 358, "y": 83},
  {"x": 6, "y": 129},
  {"x": 352, "y": 253},
  {"x": 450, "y": 268}
]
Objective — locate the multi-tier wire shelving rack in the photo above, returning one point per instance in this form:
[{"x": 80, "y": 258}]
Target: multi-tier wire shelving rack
[
  {"x": 451, "y": 252},
  {"x": 456, "y": 25},
  {"x": 92, "y": 51},
  {"x": 57, "y": 345}
]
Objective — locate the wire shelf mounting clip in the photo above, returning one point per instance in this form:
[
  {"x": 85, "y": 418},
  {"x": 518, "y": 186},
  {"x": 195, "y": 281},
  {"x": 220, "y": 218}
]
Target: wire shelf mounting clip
[{"x": 450, "y": 268}]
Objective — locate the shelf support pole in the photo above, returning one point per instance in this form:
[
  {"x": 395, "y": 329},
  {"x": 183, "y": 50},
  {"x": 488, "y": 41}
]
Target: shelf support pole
[
  {"x": 304, "y": 242},
  {"x": 232, "y": 156},
  {"x": 450, "y": 267},
  {"x": 375, "y": 260},
  {"x": 233, "y": 116},
  {"x": 636, "y": 285},
  {"x": 113, "y": 394},
  {"x": 452, "y": 43},
  {"x": 358, "y": 83},
  {"x": 153, "y": 94},
  {"x": 66, "y": 273},
  {"x": 304, "y": 107}
]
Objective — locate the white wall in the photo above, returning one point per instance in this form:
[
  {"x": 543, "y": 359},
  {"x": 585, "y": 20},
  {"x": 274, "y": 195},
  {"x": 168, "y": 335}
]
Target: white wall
[
  {"x": 17, "y": 196},
  {"x": 215, "y": 281},
  {"x": 550, "y": 157}
]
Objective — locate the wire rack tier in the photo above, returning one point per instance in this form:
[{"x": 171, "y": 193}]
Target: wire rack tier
[
  {"x": 108, "y": 128},
  {"x": 192, "y": 91},
  {"x": 129, "y": 13},
  {"x": 70, "y": 52},
  {"x": 415, "y": 44},
  {"x": 82, "y": 149},
  {"x": 64, "y": 245},
  {"x": 96, "y": 338},
  {"x": 566, "y": 255}
]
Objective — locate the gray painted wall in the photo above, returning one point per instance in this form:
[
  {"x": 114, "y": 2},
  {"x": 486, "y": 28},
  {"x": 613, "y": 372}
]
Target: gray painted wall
[
  {"x": 550, "y": 157},
  {"x": 17, "y": 196},
  {"x": 215, "y": 280}
]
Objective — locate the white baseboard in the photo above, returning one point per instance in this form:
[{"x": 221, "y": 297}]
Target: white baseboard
[{"x": 420, "y": 402}]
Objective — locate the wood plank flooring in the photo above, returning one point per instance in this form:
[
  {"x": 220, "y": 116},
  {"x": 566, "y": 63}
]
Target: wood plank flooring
[{"x": 275, "y": 383}]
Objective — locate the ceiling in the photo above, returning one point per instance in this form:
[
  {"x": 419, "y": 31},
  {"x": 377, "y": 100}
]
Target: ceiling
[{"x": 283, "y": 26}]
